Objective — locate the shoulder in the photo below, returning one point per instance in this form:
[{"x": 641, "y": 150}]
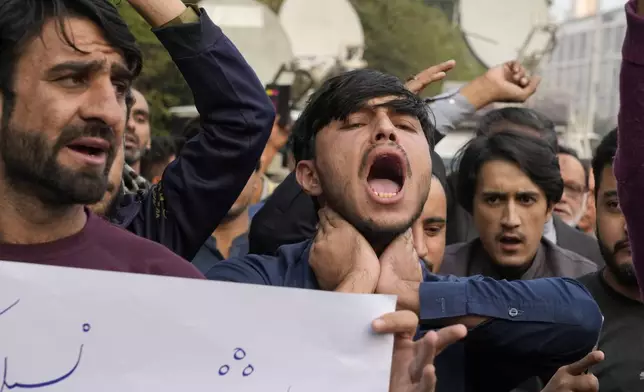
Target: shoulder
[
  {"x": 139, "y": 254},
  {"x": 263, "y": 269},
  {"x": 579, "y": 263}
]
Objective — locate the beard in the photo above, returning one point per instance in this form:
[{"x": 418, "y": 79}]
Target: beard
[
  {"x": 31, "y": 166},
  {"x": 377, "y": 234},
  {"x": 624, "y": 272},
  {"x": 132, "y": 156}
]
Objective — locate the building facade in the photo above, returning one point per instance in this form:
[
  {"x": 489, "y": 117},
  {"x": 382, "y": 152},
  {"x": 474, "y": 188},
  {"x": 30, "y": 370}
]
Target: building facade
[{"x": 568, "y": 72}]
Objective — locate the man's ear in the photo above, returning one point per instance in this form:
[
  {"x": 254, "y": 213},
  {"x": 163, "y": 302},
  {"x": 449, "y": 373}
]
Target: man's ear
[{"x": 307, "y": 177}]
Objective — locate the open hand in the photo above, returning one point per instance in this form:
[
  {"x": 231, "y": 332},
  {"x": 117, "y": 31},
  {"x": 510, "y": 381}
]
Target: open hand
[
  {"x": 412, "y": 366},
  {"x": 341, "y": 257},
  {"x": 572, "y": 378}
]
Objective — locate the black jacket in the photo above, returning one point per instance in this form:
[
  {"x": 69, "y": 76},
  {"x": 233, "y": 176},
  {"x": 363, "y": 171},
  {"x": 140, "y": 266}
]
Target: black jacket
[{"x": 201, "y": 185}]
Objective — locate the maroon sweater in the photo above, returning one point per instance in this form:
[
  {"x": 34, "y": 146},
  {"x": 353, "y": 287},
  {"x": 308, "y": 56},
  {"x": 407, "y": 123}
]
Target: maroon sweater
[
  {"x": 103, "y": 246},
  {"x": 629, "y": 161}
]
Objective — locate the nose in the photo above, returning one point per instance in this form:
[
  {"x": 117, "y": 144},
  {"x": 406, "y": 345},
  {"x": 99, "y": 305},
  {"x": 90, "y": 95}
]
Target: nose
[
  {"x": 419, "y": 239},
  {"x": 510, "y": 218},
  {"x": 384, "y": 129},
  {"x": 102, "y": 104}
]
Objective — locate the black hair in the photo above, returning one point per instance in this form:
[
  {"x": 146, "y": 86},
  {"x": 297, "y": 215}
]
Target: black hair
[
  {"x": 534, "y": 156},
  {"x": 565, "y": 150},
  {"x": 21, "y": 21},
  {"x": 345, "y": 94},
  {"x": 161, "y": 149},
  {"x": 604, "y": 156},
  {"x": 519, "y": 116}
]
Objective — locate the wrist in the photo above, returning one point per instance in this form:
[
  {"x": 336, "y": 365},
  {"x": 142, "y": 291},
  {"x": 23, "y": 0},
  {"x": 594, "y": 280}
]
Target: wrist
[
  {"x": 358, "y": 282},
  {"x": 480, "y": 92},
  {"x": 158, "y": 12}
]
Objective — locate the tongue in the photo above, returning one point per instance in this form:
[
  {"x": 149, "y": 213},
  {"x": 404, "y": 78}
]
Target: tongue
[{"x": 381, "y": 185}]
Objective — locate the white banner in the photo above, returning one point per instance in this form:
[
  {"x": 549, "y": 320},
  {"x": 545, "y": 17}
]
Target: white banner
[{"x": 72, "y": 330}]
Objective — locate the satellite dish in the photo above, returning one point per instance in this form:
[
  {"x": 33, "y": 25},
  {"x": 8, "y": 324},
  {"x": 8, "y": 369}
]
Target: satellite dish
[
  {"x": 323, "y": 29},
  {"x": 256, "y": 31},
  {"x": 502, "y": 30}
]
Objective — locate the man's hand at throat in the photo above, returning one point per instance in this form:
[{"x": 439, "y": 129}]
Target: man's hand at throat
[
  {"x": 401, "y": 272},
  {"x": 341, "y": 257},
  {"x": 344, "y": 261}
]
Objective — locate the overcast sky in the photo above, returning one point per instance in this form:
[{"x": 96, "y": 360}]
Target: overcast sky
[{"x": 562, "y": 6}]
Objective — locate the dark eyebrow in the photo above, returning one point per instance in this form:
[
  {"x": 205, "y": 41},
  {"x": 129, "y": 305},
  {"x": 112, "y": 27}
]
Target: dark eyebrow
[
  {"x": 140, "y": 112},
  {"x": 76, "y": 67},
  {"x": 493, "y": 193},
  {"x": 528, "y": 193},
  {"x": 87, "y": 67},
  {"x": 610, "y": 193},
  {"x": 434, "y": 219}
]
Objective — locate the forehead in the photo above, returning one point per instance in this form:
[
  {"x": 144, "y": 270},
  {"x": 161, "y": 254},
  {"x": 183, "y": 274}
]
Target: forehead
[
  {"x": 570, "y": 165},
  {"x": 140, "y": 102},
  {"x": 51, "y": 47},
  {"x": 504, "y": 176},
  {"x": 436, "y": 204},
  {"x": 608, "y": 181}
]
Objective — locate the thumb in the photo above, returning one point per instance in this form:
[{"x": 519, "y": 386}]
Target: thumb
[
  {"x": 590, "y": 360},
  {"x": 531, "y": 88}
]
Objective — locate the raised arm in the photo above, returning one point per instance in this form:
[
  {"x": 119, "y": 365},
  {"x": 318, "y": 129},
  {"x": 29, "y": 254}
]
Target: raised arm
[
  {"x": 198, "y": 189},
  {"x": 629, "y": 160}
]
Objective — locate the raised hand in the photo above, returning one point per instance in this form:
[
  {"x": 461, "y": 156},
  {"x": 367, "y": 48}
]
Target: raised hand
[
  {"x": 573, "y": 378},
  {"x": 412, "y": 367},
  {"x": 158, "y": 12},
  {"x": 341, "y": 257},
  {"x": 510, "y": 82},
  {"x": 430, "y": 75}
]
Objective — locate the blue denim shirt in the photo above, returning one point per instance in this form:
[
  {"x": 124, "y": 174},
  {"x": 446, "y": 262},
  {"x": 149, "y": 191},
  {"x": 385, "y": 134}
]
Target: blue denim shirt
[{"x": 534, "y": 326}]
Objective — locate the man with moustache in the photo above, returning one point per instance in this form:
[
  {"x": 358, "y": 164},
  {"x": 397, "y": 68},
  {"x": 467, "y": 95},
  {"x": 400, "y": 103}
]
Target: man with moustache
[
  {"x": 65, "y": 95},
  {"x": 509, "y": 182},
  {"x": 362, "y": 151},
  {"x": 138, "y": 136},
  {"x": 572, "y": 206},
  {"x": 615, "y": 287}
]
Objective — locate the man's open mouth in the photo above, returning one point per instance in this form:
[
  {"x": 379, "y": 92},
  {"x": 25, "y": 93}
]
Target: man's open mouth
[
  {"x": 92, "y": 148},
  {"x": 386, "y": 176},
  {"x": 510, "y": 240}
]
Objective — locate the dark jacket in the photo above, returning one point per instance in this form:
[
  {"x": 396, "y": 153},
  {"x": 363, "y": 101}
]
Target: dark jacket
[{"x": 201, "y": 185}]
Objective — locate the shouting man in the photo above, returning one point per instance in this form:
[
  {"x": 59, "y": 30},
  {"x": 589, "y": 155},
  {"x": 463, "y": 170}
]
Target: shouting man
[{"x": 362, "y": 151}]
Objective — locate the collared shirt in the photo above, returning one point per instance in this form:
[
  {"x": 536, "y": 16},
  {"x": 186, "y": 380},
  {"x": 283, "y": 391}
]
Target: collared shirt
[
  {"x": 471, "y": 259},
  {"x": 209, "y": 254},
  {"x": 621, "y": 339},
  {"x": 524, "y": 314},
  {"x": 549, "y": 231},
  {"x": 448, "y": 110}
]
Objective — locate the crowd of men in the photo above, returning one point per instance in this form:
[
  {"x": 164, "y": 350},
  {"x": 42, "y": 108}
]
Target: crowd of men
[{"x": 514, "y": 272}]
